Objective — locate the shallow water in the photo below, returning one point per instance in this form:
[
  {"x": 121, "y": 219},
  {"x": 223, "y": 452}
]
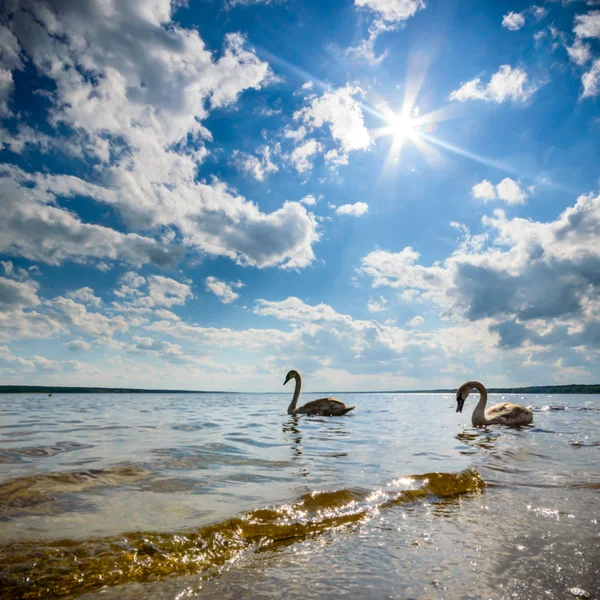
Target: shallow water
[{"x": 220, "y": 495}]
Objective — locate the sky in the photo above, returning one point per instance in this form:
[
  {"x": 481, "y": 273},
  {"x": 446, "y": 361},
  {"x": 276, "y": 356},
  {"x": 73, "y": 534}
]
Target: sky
[{"x": 381, "y": 194}]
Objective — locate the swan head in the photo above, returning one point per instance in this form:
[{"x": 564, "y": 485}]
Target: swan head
[
  {"x": 291, "y": 375},
  {"x": 461, "y": 395}
]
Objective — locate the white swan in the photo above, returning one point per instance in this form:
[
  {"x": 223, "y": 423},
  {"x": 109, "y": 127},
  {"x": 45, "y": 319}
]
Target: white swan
[
  {"x": 505, "y": 413},
  {"x": 326, "y": 407}
]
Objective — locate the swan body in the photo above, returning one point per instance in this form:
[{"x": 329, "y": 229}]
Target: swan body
[
  {"x": 505, "y": 413},
  {"x": 325, "y": 407}
]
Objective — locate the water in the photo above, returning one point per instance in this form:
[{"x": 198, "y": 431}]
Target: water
[{"x": 226, "y": 496}]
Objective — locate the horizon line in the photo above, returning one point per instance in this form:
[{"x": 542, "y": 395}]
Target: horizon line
[{"x": 13, "y": 388}]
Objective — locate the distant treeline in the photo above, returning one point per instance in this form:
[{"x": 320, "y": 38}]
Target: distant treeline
[
  {"x": 576, "y": 388},
  {"x": 55, "y": 389},
  {"x": 535, "y": 389}
]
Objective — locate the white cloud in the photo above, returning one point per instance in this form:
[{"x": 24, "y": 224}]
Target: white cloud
[
  {"x": 247, "y": 339},
  {"x": 587, "y": 25},
  {"x": 17, "y": 294},
  {"x": 258, "y": 166},
  {"x": 534, "y": 282},
  {"x": 366, "y": 49},
  {"x": 6, "y": 89},
  {"x": 356, "y": 210},
  {"x": 507, "y": 84},
  {"x": 579, "y": 52},
  {"x": 484, "y": 190},
  {"x": 416, "y": 321},
  {"x": 591, "y": 80},
  {"x": 325, "y": 332},
  {"x": 513, "y": 21},
  {"x": 85, "y": 295},
  {"x": 392, "y": 10},
  {"x": 234, "y": 3},
  {"x": 380, "y": 305},
  {"x": 507, "y": 190},
  {"x": 222, "y": 290},
  {"x": 538, "y": 12},
  {"x": 36, "y": 229},
  {"x": 76, "y": 316},
  {"x": 295, "y": 134},
  {"x": 342, "y": 114},
  {"x": 10, "y": 51},
  {"x": 35, "y": 363},
  {"x": 301, "y": 155},
  {"x": 78, "y": 345},
  {"x": 140, "y": 117},
  {"x": 164, "y": 291},
  {"x": 309, "y": 200}
]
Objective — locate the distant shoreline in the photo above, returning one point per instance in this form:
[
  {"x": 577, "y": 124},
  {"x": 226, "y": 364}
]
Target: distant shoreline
[{"x": 537, "y": 389}]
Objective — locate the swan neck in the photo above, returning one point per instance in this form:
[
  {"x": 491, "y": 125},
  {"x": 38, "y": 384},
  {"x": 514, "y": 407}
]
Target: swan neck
[
  {"x": 292, "y": 406},
  {"x": 479, "y": 412}
]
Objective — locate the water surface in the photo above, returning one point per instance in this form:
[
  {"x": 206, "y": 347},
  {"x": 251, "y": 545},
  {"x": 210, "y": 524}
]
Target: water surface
[{"x": 222, "y": 495}]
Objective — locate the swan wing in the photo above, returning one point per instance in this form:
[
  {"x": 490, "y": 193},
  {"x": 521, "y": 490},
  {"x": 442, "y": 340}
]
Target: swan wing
[
  {"x": 324, "y": 407},
  {"x": 509, "y": 414}
]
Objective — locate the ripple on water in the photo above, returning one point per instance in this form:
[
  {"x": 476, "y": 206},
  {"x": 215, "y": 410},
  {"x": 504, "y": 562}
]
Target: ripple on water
[
  {"x": 42, "y": 494},
  {"x": 146, "y": 557},
  {"x": 15, "y": 455}
]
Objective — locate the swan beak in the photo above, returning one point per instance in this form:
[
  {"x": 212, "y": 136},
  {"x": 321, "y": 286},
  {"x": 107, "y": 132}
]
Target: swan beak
[
  {"x": 460, "y": 401},
  {"x": 286, "y": 380}
]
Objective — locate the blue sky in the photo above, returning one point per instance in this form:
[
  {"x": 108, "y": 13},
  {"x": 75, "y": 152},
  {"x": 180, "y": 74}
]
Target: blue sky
[{"x": 382, "y": 194}]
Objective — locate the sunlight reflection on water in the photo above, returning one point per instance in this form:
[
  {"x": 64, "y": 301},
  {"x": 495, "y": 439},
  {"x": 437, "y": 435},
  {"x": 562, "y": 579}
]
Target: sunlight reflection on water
[{"x": 95, "y": 466}]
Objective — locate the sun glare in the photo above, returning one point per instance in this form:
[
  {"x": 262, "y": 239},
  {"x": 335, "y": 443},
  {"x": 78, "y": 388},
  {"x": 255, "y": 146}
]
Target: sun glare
[{"x": 402, "y": 126}]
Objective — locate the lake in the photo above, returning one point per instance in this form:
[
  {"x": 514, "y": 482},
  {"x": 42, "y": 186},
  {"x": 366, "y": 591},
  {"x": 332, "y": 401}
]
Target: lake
[{"x": 226, "y": 496}]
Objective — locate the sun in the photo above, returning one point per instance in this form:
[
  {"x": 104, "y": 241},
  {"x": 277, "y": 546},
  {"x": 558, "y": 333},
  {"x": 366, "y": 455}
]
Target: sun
[{"x": 402, "y": 126}]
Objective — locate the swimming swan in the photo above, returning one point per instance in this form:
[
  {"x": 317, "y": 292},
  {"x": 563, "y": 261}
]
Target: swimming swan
[
  {"x": 326, "y": 407},
  {"x": 505, "y": 413}
]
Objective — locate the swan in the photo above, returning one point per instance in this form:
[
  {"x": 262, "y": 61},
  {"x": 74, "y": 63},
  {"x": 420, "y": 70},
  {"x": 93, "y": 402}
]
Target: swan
[
  {"x": 505, "y": 413},
  {"x": 326, "y": 407}
]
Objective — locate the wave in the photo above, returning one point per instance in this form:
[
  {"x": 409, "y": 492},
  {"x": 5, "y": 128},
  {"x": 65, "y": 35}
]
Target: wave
[
  {"x": 38, "y": 492},
  {"x": 69, "y": 567}
]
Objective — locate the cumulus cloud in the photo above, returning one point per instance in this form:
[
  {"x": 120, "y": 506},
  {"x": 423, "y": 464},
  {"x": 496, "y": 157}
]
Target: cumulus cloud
[
  {"x": 341, "y": 113},
  {"x": 35, "y": 228},
  {"x": 507, "y": 190},
  {"x": 6, "y": 89},
  {"x": 164, "y": 291},
  {"x": 416, "y": 321},
  {"x": 380, "y": 305},
  {"x": 389, "y": 15},
  {"x": 139, "y": 118},
  {"x": 77, "y": 317},
  {"x": 222, "y": 290},
  {"x": 356, "y": 210},
  {"x": 85, "y": 295},
  {"x": 258, "y": 166},
  {"x": 366, "y": 49},
  {"x": 587, "y": 25},
  {"x": 325, "y": 332},
  {"x": 392, "y": 10},
  {"x": 579, "y": 52},
  {"x": 308, "y": 200},
  {"x": 302, "y": 155},
  {"x": 78, "y": 345},
  {"x": 513, "y": 21},
  {"x": 31, "y": 364},
  {"x": 533, "y": 281},
  {"x": 591, "y": 80},
  {"x": 17, "y": 294},
  {"x": 247, "y": 339},
  {"x": 507, "y": 83}
]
